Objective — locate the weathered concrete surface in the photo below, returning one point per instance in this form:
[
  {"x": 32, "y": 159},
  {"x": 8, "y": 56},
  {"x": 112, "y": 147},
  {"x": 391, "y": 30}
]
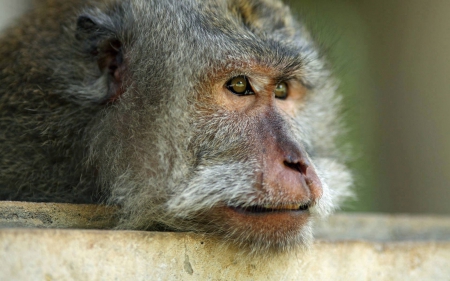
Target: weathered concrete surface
[
  {"x": 383, "y": 227},
  {"x": 51, "y": 254},
  {"x": 381, "y": 247},
  {"x": 54, "y": 215}
]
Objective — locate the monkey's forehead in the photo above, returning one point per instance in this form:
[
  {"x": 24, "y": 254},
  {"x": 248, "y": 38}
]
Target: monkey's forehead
[{"x": 221, "y": 33}]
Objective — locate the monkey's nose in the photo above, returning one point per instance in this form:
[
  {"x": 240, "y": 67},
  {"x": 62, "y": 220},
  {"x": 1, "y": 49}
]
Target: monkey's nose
[{"x": 299, "y": 172}]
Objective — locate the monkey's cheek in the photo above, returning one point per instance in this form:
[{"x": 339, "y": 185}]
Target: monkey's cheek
[{"x": 274, "y": 228}]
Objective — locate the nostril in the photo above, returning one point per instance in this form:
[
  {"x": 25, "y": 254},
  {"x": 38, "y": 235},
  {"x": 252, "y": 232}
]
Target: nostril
[{"x": 299, "y": 166}]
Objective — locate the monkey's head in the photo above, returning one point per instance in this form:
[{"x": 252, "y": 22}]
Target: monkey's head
[{"x": 218, "y": 116}]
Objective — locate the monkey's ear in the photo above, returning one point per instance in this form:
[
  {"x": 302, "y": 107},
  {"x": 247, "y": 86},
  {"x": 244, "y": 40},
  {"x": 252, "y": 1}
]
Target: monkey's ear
[
  {"x": 99, "y": 42},
  {"x": 264, "y": 15}
]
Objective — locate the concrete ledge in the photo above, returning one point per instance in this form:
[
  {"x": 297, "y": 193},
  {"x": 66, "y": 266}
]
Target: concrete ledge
[
  {"x": 413, "y": 248},
  {"x": 383, "y": 227},
  {"x": 55, "y": 215},
  {"x": 49, "y": 254}
]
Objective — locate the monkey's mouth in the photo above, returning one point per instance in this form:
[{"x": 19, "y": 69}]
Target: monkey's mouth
[{"x": 267, "y": 208}]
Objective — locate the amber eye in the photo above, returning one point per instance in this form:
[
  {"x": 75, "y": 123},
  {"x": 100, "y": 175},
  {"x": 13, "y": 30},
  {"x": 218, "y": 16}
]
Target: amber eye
[
  {"x": 281, "y": 91},
  {"x": 240, "y": 86}
]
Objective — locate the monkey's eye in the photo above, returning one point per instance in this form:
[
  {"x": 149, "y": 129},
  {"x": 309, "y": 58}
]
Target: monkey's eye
[
  {"x": 281, "y": 91},
  {"x": 240, "y": 86}
]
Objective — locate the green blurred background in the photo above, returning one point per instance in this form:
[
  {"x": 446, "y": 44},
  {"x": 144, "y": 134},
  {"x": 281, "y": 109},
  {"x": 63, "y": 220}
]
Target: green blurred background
[{"x": 393, "y": 60}]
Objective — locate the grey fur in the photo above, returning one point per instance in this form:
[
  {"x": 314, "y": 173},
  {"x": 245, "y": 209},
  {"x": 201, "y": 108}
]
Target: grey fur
[{"x": 157, "y": 151}]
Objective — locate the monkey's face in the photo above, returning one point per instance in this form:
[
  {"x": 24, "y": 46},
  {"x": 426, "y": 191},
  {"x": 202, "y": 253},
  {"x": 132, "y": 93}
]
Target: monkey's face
[
  {"x": 224, "y": 123},
  {"x": 252, "y": 174}
]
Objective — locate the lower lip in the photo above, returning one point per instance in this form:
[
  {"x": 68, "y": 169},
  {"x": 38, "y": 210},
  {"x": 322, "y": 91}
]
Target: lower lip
[{"x": 278, "y": 226}]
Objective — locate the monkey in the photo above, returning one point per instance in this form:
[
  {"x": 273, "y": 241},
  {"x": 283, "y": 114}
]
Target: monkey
[{"x": 211, "y": 116}]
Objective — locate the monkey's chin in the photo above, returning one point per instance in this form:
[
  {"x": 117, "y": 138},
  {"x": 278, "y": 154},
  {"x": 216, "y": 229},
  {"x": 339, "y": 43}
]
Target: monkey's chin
[{"x": 265, "y": 229}]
